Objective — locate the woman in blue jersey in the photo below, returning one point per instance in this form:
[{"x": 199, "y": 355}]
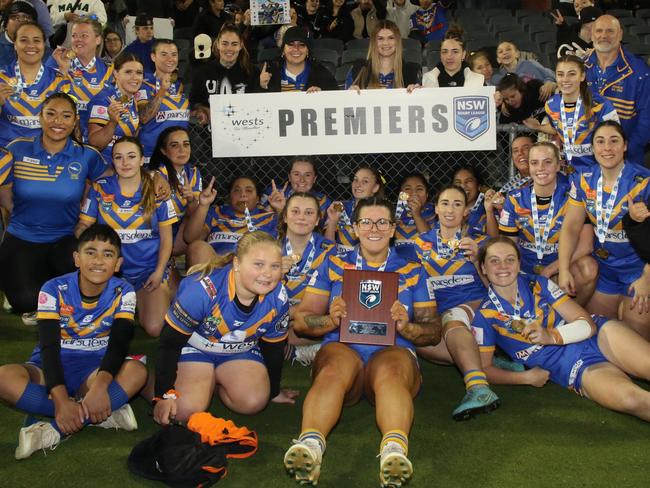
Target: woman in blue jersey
[
  {"x": 44, "y": 189},
  {"x": 414, "y": 213},
  {"x": 367, "y": 182},
  {"x": 303, "y": 251},
  {"x": 215, "y": 229},
  {"x": 469, "y": 179},
  {"x": 113, "y": 112},
  {"x": 342, "y": 373},
  {"x": 561, "y": 109},
  {"x": 538, "y": 325},
  {"x": 532, "y": 216},
  {"x": 602, "y": 195},
  {"x": 127, "y": 202},
  {"x": 25, "y": 84},
  {"x": 225, "y": 333},
  {"x": 172, "y": 159},
  {"x": 448, "y": 255}
]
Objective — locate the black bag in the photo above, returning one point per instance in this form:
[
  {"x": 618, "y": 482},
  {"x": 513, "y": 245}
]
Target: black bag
[
  {"x": 177, "y": 457},
  {"x": 61, "y": 32}
]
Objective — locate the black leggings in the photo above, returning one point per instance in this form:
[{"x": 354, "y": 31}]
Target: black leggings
[{"x": 25, "y": 266}]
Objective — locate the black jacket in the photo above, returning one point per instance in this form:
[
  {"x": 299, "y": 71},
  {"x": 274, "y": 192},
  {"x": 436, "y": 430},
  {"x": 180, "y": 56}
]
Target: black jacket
[
  {"x": 319, "y": 76},
  {"x": 212, "y": 78}
]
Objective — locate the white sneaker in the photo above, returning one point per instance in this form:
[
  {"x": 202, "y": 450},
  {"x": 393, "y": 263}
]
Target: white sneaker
[
  {"x": 302, "y": 460},
  {"x": 40, "y": 435},
  {"x": 394, "y": 466},
  {"x": 122, "y": 418},
  {"x": 305, "y": 354},
  {"x": 29, "y": 319}
]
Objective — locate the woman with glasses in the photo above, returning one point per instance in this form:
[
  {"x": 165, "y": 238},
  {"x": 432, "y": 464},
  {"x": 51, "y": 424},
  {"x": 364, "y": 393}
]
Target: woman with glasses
[
  {"x": 448, "y": 255},
  {"x": 387, "y": 375}
]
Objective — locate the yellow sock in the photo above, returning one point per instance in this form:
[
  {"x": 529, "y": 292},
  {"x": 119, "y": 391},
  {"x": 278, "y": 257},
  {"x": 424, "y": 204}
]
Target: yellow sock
[{"x": 397, "y": 436}]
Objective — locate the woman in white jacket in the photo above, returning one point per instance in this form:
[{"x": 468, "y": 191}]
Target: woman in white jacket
[
  {"x": 61, "y": 10},
  {"x": 452, "y": 70}
]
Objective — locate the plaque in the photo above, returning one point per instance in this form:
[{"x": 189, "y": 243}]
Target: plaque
[{"x": 368, "y": 296}]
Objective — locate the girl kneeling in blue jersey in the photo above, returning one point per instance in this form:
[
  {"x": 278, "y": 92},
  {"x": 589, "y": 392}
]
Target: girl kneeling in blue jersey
[
  {"x": 602, "y": 195},
  {"x": 85, "y": 324},
  {"x": 127, "y": 202},
  {"x": 225, "y": 331},
  {"x": 387, "y": 375},
  {"x": 539, "y": 326}
]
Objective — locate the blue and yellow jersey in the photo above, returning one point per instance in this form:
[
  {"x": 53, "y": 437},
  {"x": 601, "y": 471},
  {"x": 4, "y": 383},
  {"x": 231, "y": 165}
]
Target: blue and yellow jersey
[
  {"x": 85, "y": 327},
  {"x": 205, "y": 309},
  {"x": 633, "y": 183},
  {"x": 345, "y": 238},
  {"x": 6, "y": 165},
  {"x": 289, "y": 83},
  {"x": 20, "y": 114},
  {"x": 297, "y": 278},
  {"x": 328, "y": 281},
  {"x": 97, "y": 113},
  {"x": 192, "y": 176},
  {"x": 48, "y": 188},
  {"x": 225, "y": 226},
  {"x": 406, "y": 231},
  {"x": 580, "y": 151},
  {"x": 450, "y": 280},
  {"x": 124, "y": 213},
  {"x": 516, "y": 220},
  {"x": 86, "y": 83},
  {"x": 540, "y": 298},
  {"x": 477, "y": 220},
  {"x": 174, "y": 110},
  {"x": 323, "y": 200}
]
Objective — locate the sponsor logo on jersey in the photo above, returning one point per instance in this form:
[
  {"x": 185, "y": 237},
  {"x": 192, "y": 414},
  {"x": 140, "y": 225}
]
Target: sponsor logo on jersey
[
  {"x": 443, "y": 282},
  {"x": 46, "y": 302},
  {"x": 129, "y": 302},
  {"x": 209, "y": 287}
]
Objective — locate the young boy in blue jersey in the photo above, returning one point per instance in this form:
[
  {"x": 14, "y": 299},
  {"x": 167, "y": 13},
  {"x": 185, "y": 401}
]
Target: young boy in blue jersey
[{"x": 77, "y": 374}]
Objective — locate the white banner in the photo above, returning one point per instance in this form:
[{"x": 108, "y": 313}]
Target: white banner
[{"x": 347, "y": 122}]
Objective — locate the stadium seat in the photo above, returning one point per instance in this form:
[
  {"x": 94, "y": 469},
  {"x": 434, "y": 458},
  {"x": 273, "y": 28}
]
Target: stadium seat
[
  {"x": 326, "y": 55},
  {"x": 412, "y": 56},
  {"x": 357, "y": 44},
  {"x": 341, "y": 74},
  {"x": 497, "y": 12},
  {"x": 432, "y": 46},
  {"x": 269, "y": 54},
  {"x": 327, "y": 43},
  {"x": 431, "y": 59},
  {"x": 352, "y": 55},
  {"x": 619, "y": 12},
  {"x": 545, "y": 37},
  {"x": 639, "y": 30},
  {"x": 638, "y": 48},
  {"x": 628, "y": 22},
  {"x": 331, "y": 67},
  {"x": 411, "y": 44},
  {"x": 642, "y": 13}
]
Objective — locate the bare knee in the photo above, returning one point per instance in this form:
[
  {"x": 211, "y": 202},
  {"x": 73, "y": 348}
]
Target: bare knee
[
  {"x": 250, "y": 402},
  {"x": 632, "y": 402},
  {"x": 587, "y": 269},
  {"x": 151, "y": 325},
  {"x": 185, "y": 409},
  {"x": 198, "y": 252},
  {"x": 13, "y": 379}
]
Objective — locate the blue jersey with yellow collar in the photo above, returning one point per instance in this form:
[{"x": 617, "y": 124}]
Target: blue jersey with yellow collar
[
  {"x": 190, "y": 176},
  {"x": 328, "y": 281},
  {"x": 323, "y": 200},
  {"x": 580, "y": 151},
  {"x": 97, "y": 113},
  {"x": 345, "y": 238},
  {"x": 20, "y": 117},
  {"x": 6, "y": 165},
  {"x": 406, "y": 231},
  {"x": 289, "y": 82},
  {"x": 86, "y": 82},
  {"x": 634, "y": 183},
  {"x": 48, "y": 188},
  {"x": 225, "y": 226},
  {"x": 450, "y": 280},
  {"x": 174, "y": 110},
  {"x": 140, "y": 239},
  {"x": 477, "y": 219},
  {"x": 626, "y": 84},
  {"x": 298, "y": 277},
  {"x": 517, "y": 220},
  {"x": 205, "y": 309},
  {"x": 85, "y": 327},
  {"x": 540, "y": 298}
]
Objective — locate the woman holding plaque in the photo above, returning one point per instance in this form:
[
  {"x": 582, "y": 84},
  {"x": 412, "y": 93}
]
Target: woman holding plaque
[
  {"x": 603, "y": 196},
  {"x": 342, "y": 373},
  {"x": 533, "y": 321},
  {"x": 448, "y": 255},
  {"x": 414, "y": 213},
  {"x": 532, "y": 216},
  {"x": 383, "y": 66},
  {"x": 215, "y": 230},
  {"x": 113, "y": 113},
  {"x": 367, "y": 182},
  {"x": 574, "y": 113}
]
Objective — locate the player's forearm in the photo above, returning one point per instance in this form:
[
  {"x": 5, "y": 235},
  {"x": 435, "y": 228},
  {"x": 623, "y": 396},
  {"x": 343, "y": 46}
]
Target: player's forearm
[
  {"x": 309, "y": 324},
  {"x": 100, "y": 138}
]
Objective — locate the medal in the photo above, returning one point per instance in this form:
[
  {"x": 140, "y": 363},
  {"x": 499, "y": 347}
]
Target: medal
[
  {"x": 569, "y": 131},
  {"x": 538, "y": 268},
  {"x": 296, "y": 257},
  {"x": 70, "y": 54},
  {"x": 338, "y": 206},
  {"x": 541, "y": 235},
  {"x": 173, "y": 77},
  {"x": 13, "y": 83},
  {"x": 604, "y": 210},
  {"x": 602, "y": 253},
  {"x": 569, "y": 169},
  {"x": 516, "y": 324},
  {"x": 402, "y": 203},
  {"x": 447, "y": 249},
  {"x": 344, "y": 219}
]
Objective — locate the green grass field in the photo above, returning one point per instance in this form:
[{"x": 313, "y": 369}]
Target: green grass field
[{"x": 538, "y": 438}]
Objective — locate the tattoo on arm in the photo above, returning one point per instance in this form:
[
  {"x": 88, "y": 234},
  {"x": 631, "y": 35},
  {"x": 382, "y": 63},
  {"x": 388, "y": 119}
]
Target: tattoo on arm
[
  {"x": 150, "y": 110},
  {"x": 428, "y": 321},
  {"x": 318, "y": 321}
]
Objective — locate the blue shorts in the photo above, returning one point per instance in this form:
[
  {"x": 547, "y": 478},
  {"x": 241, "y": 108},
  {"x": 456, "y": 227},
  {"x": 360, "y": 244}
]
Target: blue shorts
[
  {"x": 614, "y": 280},
  {"x": 138, "y": 281},
  {"x": 191, "y": 354},
  {"x": 77, "y": 366},
  {"x": 575, "y": 359},
  {"x": 365, "y": 351}
]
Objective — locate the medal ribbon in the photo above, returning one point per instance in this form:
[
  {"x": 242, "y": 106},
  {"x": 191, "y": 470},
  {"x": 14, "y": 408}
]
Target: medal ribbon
[
  {"x": 443, "y": 250},
  {"x": 541, "y": 235},
  {"x": 249, "y": 220},
  {"x": 20, "y": 82},
  {"x": 516, "y": 315},
  {"x": 602, "y": 220},
  {"x": 401, "y": 207},
  {"x": 512, "y": 184},
  {"x": 569, "y": 139},
  {"x": 344, "y": 220},
  {"x": 76, "y": 65},
  {"x": 307, "y": 263},
  {"x": 359, "y": 260},
  {"x": 479, "y": 202}
]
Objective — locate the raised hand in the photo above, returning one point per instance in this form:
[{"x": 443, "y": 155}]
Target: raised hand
[{"x": 208, "y": 194}]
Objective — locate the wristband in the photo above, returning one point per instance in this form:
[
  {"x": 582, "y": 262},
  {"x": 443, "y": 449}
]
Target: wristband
[{"x": 169, "y": 395}]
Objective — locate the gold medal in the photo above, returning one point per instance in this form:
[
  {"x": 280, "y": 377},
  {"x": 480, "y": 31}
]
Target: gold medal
[
  {"x": 453, "y": 244},
  {"x": 602, "y": 253},
  {"x": 499, "y": 200},
  {"x": 403, "y": 196},
  {"x": 295, "y": 258},
  {"x": 569, "y": 170},
  {"x": 124, "y": 99},
  {"x": 173, "y": 77},
  {"x": 70, "y": 54},
  {"x": 518, "y": 325},
  {"x": 538, "y": 268},
  {"x": 338, "y": 206}
]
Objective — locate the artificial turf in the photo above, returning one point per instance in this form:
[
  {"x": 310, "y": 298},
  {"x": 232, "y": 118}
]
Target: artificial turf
[{"x": 538, "y": 438}]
